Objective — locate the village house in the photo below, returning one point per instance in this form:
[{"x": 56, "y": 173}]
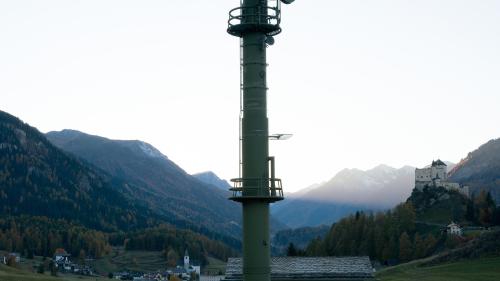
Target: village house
[
  {"x": 309, "y": 269},
  {"x": 156, "y": 276},
  {"x": 181, "y": 272},
  {"x": 64, "y": 264},
  {"x": 61, "y": 256},
  {"x": 454, "y": 229},
  {"x": 15, "y": 256}
]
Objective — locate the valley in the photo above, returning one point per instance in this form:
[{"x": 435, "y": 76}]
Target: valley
[{"x": 128, "y": 207}]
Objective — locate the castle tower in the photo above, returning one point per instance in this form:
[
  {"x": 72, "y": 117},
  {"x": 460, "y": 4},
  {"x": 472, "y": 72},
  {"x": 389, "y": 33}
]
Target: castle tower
[
  {"x": 255, "y": 22},
  {"x": 439, "y": 170}
]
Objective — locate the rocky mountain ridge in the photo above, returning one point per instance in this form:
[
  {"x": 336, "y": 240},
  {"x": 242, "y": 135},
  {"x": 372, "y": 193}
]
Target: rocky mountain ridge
[
  {"x": 39, "y": 179},
  {"x": 211, "y": 178},
  {"x": 480, "y": 170},
  {"x": 349, "y": 190},
  {"x": 156, "y": 180}
]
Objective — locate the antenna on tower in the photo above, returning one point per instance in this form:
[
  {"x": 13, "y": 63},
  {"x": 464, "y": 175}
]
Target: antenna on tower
[
  {"x": 269, "y": 40},
  {"x": 280, "y": 136}
]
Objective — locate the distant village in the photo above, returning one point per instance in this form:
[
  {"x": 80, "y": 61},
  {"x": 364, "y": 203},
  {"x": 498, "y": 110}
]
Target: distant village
[
  {"x": 62, "y": 262},
  {"x": 187, "y": 271}
]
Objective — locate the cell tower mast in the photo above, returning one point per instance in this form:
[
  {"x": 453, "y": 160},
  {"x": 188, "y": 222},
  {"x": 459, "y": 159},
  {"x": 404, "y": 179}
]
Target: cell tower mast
[{"x": 255, "y": 22}]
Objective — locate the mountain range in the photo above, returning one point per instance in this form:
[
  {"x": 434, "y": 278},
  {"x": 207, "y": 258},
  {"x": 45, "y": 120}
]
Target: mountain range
[
  {"x": 128, "y": 184},
  {"x": 349, "y": 190},
  {"x": 383, "y": 187},
  {"x": 119, "y": 187},
  {"x": 38, "y": 179},
  {"x": 186, "y": 200},
  {"x": 156, "y": 181}
]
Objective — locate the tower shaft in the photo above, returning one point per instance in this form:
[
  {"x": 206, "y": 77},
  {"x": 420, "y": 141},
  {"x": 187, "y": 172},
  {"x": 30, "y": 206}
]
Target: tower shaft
[
  {"x": 255, "y": 154},
  {"x": 254, "y": 21}
]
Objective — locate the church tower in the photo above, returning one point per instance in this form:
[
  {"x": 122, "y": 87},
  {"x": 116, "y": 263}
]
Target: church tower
[{"x": 186, "y": 259}]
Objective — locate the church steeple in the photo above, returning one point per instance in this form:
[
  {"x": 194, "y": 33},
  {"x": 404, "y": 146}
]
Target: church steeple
[{"x": 186, "y": 259}]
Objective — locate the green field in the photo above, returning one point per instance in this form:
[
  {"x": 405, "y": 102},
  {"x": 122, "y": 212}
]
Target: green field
[
  {"x": 120, "y": 260},
  {"x": 486, "y": 269},
  {"x": 145, "y": 261},
  {"x": 117, "y": 260},
  {"x": 13, "y": 274},
  {"x": 215, "y": 267}
]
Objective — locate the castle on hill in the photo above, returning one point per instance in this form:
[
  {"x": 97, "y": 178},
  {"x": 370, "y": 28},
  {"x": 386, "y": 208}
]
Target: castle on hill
[{"x": 437, "y": 176}]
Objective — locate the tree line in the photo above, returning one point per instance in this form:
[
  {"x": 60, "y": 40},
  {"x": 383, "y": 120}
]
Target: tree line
[
  {"x": 173, "y": 242},
  {"x": 395, "y": 235},
  {"x": 482, "y": 210},
  {"x": 41, "y": 236},
  {"x": 383, "y": 236}
]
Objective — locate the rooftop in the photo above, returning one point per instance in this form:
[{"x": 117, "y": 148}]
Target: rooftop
[
  {"x": 438, "y": 163},
  {"x": 310, "y": 268}
]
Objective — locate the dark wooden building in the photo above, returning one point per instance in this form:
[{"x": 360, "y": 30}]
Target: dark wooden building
[{"x": 310, "y": 269}]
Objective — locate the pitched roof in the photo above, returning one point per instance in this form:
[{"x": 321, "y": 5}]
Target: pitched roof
[
  {"x": 438, "y": 163},
  {"x": 179, "y": 270},
  {"x": 326, "y": 268},
  {"x": 61, "y": 252}
]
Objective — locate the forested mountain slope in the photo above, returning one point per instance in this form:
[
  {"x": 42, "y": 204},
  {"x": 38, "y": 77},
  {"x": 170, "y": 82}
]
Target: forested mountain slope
[
  {"x": 480, "y": 170},
  {"x": 157, "y": 181},
  {"x": 37, "y": 178}
]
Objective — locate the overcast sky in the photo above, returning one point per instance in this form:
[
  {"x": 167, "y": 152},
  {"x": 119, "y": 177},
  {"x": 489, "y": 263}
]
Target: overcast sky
[{"x": 358, "y": 83}]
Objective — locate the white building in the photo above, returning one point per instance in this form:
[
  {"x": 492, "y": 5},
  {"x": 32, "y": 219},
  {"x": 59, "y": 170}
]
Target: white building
[
  {"x": 190, "y": 267},
  {"x": 437, "y": 176},
  {"x": 61, "y": 256},
  {"x": 186, "y": 259},
  {"x": 454, "y": 229}
]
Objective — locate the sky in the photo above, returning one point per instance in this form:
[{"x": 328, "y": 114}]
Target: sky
[{"x": 357, "y": 83}]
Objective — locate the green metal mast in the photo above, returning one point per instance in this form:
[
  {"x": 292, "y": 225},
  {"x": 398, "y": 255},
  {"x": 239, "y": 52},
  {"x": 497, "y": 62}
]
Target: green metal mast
[{"x": 255, "y": 22}]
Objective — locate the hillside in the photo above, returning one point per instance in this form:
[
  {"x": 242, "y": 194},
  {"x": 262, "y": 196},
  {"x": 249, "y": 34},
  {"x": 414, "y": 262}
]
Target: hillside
[
  {"x": 485, "y": 269},
  {"x": 476, "y": 260},
  {"x": 438, "y": 205},
  {"x": 156, "y": 180},
  {"x": 212, "y": 179},
  {"x": 304, "y": 212},
  {"x": 37, "y": 178},
  {"x": 14, "y": 274},
  {"x": 300, "y": 237},
  {"x": 382, "y": 187},
  {"x": 480, "y": 169}
]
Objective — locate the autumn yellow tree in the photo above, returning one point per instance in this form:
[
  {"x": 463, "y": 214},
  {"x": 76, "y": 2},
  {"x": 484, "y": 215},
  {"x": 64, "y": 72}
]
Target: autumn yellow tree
[
  {"x": 172, "y": 257},
  {"x": 419, "y": 246},
  {"x": 405, "y": 247},
  {"x": 174, "y": 278}
]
